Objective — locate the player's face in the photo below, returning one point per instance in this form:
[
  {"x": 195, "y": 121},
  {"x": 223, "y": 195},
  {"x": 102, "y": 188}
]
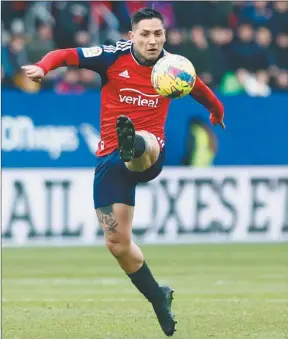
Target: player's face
[{"x": 148, "y": 37}]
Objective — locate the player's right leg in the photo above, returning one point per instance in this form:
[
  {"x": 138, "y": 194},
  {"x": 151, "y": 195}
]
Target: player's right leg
[{"x": 138, "y": 149}]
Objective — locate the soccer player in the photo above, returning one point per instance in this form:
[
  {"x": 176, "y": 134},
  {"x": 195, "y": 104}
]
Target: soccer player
[{"x": 132, "y": 145}]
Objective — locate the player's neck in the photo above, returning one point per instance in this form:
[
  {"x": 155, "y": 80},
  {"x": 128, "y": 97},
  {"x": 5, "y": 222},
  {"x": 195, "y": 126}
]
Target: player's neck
[{"x": 141, "y": 60}]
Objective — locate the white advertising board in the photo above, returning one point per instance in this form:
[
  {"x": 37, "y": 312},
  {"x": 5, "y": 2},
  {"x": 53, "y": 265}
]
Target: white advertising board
[{"x": 182, "y": 205}]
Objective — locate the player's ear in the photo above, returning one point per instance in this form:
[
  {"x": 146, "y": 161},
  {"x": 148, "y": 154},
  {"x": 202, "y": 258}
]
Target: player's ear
[
  {"x": 164, "y": 32},
  {"x": 131, "y": 35}
]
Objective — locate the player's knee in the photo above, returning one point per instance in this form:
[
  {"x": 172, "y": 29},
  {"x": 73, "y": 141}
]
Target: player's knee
[
  {"x": 149, "y": 157},
  {"x": 118, "y": 248},
  {"x": 152, "y": 145}
]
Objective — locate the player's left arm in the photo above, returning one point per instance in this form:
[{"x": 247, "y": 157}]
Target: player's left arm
[{"x": 205, "y": 96}]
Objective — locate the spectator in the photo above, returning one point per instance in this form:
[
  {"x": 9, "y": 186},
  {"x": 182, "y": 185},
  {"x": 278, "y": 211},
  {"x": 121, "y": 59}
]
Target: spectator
[
  {"x": 257, "y": 14},
  {"x": 243, "y": 52},
  {"x": 279, "y": 22},
  {"x": 70, "y": 84},
  {"x": 175, "y": 41},
  {"x": 41, "y": 44},
  {"x": 200, "y": 54},
  {"x": 281, "y": 48},
  {"x": 220, "y": 39},
  {"x": 217, "y": 13},
  {"x": 82, "y": 38},
  {"x": 281, "y": 81},
  {"x": 13, "y": 10},
  {"x": 15, "y": 55},
  {"x": 89, "y": 79},
  {"x": 104, "y": 21},
  {"x": 119, "y": 8},
  {"x": 70, "y": 19},
  {"x": 254, "y": 85},
  {"x": 262, "y": 77},
  {"x": 235, "y": 14},
  {"x": 189, "y": 13},
  {"x": 266, "y": 56}
]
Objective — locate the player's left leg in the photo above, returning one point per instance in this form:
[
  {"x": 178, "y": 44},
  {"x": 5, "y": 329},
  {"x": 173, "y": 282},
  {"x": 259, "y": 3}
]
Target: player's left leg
[
  {"x": 114, "y": 200},
  {"x": 138, "y": 149},
  {"x": 116, "y": 221}
]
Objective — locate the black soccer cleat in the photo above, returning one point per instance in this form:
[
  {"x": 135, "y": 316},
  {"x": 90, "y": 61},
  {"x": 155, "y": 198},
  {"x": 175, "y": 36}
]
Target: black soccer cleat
[
  {"x": 126, "y": 137},
  {"x": 164, "y": 313}
]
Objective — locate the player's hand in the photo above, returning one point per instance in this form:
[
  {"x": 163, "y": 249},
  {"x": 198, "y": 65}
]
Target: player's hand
[
  {"x": 215, "y": 121},
  {"x": 34, "y": 73}
]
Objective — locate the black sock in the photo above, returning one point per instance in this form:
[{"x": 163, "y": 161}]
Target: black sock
[
  {"x": 140, "y": 146},
  {"x": 146, "y": 284}
]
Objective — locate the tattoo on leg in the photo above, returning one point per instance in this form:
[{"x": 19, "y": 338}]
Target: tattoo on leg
[{"x": 107, "y": 219}]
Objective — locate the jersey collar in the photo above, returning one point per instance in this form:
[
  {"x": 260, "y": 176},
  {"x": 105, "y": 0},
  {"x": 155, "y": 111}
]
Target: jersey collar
[{"x": 141, "y": 63}]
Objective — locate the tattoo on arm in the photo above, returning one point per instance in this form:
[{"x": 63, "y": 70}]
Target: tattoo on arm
[{"x": 106, "y": 218}]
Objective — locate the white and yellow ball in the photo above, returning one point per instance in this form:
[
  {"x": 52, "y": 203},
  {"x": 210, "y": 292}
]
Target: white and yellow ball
[{"x": 173, "y": 76}]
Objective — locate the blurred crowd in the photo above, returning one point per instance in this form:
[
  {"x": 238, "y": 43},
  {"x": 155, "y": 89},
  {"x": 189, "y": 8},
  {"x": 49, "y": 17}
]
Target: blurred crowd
[{"x": 236, "y": 46}]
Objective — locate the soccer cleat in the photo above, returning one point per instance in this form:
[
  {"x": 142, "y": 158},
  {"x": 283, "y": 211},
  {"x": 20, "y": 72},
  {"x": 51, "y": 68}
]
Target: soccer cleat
[
  {"x": 163, "y": 312},
  {"x": 126, "y": 137}
]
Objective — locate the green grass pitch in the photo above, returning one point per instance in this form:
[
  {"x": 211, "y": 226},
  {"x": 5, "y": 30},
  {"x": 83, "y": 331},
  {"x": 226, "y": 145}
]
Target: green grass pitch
[{"x": 221, "y": 292}]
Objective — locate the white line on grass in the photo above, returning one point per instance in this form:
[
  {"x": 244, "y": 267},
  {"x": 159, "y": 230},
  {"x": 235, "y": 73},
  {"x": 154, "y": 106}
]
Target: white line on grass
[
  {"x": 64, "y": 281},
  {"x": 204, "y": 300}
]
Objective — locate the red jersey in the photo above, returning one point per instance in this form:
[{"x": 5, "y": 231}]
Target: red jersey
[{"x": 127, "y": 90}]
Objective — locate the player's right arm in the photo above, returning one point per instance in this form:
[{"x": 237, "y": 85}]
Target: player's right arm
[
  {"x": 52, "y": 60},
  {"x": 93, "y": 58}
]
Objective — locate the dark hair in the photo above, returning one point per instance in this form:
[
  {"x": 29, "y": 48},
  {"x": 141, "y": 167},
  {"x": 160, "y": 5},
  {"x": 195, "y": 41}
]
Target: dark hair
[{"x": 145, "y": 13}]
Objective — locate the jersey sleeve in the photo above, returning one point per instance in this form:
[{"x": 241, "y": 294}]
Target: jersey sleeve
[
  {"x": 100, "y": 58},
  {"x": 93, "y": 58}
]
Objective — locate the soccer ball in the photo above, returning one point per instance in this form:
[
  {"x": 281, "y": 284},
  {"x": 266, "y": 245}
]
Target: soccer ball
[{"x": 173, "y": 76}]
